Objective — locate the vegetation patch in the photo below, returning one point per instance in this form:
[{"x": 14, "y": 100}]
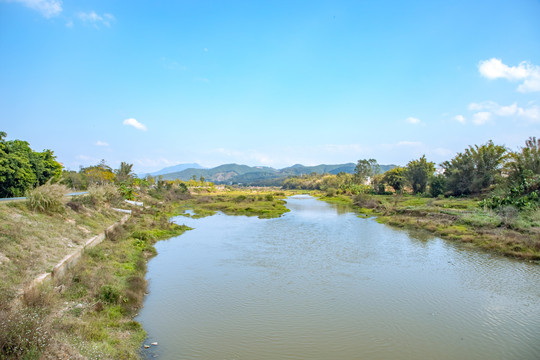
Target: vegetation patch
[{"x": 264, "y": 204}]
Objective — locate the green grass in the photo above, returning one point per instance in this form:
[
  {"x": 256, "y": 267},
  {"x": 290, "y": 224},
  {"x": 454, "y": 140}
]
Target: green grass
[
  {"x": 263, "y": 204},
  {"x": 109, "y": 284},
  {"x": 33, "y": 242}
]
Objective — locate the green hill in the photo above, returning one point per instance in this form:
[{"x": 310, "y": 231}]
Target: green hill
[{"x": 259, "y": 175}]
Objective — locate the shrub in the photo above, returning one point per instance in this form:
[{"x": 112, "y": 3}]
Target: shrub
[
  {"x": 100, "y": 194},
  {"x": 365, "y": 201},
  {"x": 47, "y": 198},
  {"x": 331, "y": 192},
  {"x": 109, "y": 294},
  {"x": 240, "y": 198}
]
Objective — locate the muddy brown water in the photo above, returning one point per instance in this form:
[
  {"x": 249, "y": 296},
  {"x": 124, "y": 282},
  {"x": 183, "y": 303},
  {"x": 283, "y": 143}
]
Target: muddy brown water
[{"x": 322, "y": 283}]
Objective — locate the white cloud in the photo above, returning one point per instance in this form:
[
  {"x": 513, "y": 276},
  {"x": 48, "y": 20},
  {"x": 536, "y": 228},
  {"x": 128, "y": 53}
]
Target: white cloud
[
  {"x": 69, "y": 24},
  {"x": 47, "y": 8},
  {"x": 460, "y": 118},
  {"x": 480, "y": 118},
  {"x": 526, "y": 72},
  {"x": 532, "y": 113},
  {"x": 413, "y": 120},
  {"x": 101, "y": 143},
  {"x": 135, "y": 124},
  {"x": 493, "y": 108},
  {"x": 93, "y": 18}
]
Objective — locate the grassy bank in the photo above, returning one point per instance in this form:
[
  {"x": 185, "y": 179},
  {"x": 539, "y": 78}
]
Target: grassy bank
[
  {"x": 89, "y": 313},
  {"x": 32, "y": 242},
  {"x": 507, "y": 231},
  {"x": 261, "y": 203}
]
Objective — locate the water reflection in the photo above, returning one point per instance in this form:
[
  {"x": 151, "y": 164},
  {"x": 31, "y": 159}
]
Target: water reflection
[{"x": 321, "y": 283}]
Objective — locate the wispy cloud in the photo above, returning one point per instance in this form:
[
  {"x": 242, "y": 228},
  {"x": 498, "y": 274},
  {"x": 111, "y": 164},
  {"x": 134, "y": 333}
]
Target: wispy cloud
[
  {"x": 413, "y": 120},
  {"x": 528, "y": 73},
  {"x": 135, "y": 124},
  {"x": 172, "y": 64},
  {"x": 532, "y": 113},
  {"x": 95, "y": 19},
  {"x": 47, "y": 8},
  {"x": 495, "y": 108},
  {"x": 482, "y": 117},
  {"x": 460, "y": 119},
  {"x": 101, "y": 143}
]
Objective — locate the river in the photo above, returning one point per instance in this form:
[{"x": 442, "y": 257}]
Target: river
[{"x": 322, "y": 283}]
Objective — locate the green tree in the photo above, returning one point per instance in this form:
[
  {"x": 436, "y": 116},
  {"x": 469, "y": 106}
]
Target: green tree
[
  {"x": 124, "y": 174},
  {"x": 524, "y": 164},
  {"x": 418, "y": 173},
  {"x": 366, "y": 169},
  {"x": 396, "y": 178},
  {"x": 21, "y": 168},
  {"x": 74, "y": 179},
  {"x": 437, "y": 185},
  {"x": 475, "y": 169},
  {"x": 99, "y": 174}
]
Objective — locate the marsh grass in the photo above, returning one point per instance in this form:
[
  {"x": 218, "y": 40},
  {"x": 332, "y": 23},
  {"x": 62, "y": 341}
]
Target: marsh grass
[{"x": 264, "y": 204}]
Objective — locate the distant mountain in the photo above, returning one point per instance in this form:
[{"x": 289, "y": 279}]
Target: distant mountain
[
  {"x": 259, "y": 175},
  {"x": 220, "y": 174},
  {"x": 175, "y": 168}
]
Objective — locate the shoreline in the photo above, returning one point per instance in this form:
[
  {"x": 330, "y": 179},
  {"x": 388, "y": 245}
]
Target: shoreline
[{"x": 458, "y": 220}]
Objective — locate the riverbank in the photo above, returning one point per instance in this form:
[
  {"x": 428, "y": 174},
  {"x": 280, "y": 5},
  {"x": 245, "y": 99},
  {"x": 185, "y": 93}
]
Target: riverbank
[
  {"x": 262, "y": 203},
  {"x": 507, "y": 232},
  {"x": 89, "y": 312}
]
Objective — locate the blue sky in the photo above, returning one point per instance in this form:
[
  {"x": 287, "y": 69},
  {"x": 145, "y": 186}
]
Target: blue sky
[{"x": 274, "y": 83}]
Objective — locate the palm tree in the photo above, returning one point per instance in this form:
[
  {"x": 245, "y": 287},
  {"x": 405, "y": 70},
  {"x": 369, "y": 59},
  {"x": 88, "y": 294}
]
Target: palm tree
[{"x": 124, "y": 174}]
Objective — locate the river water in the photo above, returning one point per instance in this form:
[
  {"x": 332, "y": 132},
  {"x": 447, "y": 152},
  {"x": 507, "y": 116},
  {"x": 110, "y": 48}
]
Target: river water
[{"x": 322, "y": 283}]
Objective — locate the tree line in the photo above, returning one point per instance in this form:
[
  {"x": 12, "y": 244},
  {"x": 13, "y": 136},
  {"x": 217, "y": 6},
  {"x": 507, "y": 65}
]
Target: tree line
[{"x": 493, "y": 172}]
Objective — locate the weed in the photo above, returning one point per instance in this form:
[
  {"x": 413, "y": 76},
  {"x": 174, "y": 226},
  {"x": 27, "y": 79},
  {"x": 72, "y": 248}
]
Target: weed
[
  {"x": 103, "y": 194},
  {"x": 23, "y": 333},
  {"x": 47, "y": 198}
]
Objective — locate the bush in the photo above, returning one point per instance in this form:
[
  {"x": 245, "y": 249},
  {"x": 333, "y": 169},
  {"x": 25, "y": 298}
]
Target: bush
[
  {"x": 365, "y": 201},
  {"x": 331, "y": 192},
  {"x": 101, "y": 194},
  {"x": 109, "y": 294},
  {"x": 240, "y": 198},
  {"x": 47, "y": 198}
]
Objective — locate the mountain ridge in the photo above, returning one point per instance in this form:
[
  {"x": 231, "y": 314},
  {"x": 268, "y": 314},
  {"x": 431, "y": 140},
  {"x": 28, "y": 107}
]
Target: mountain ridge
[{"x": 258, "y": 175}]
